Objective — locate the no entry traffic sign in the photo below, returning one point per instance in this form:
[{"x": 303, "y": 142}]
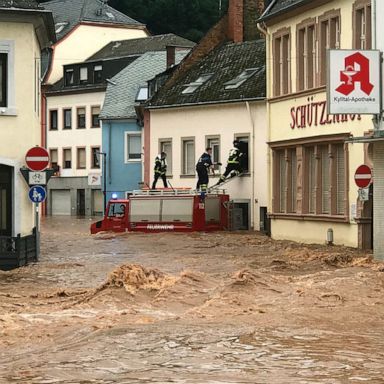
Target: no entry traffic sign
[
  {"x": 363, "y": 176},
  {"x": 37, "y": 159}
]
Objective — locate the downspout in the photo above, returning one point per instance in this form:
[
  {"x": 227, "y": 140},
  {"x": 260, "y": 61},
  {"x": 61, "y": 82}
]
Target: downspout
[
  {"x": 109, "y": 152},
  {"x": 374, "y": 31},
  {"x": 253, "y": 163}
]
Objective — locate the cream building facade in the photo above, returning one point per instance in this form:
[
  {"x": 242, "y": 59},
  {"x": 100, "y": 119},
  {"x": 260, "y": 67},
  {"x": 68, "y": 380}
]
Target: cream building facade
[
  {"x": 24, "y": 32},
  {"x": 312, "y": 190}
]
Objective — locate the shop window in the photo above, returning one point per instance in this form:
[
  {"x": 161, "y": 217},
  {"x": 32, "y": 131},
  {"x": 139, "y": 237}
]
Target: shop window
[
  {"x": 166, "y": 146},
  {"x": 95, "y": 112},
  {"x": 95, "y": 157},
  {"x": 329, "y": 25},
  {"x": 188, "y": 157},
  {"x": 81, "y": 158},
  {"x": 67, "y": 117},
  {"x": 362, "y": 25},
  {"x": 67, "y": 158},
  {"x": 281, "y": 63},
  {"x": 53, "y": 120},
  {"x": 322, "y": 180},
  {"x": 132, "y": 146},
  {"x": 306, "y": 57},
  {"x": 81, "y": 118}
]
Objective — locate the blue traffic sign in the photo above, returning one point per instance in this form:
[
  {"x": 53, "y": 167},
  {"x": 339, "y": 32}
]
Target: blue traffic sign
[{"x": 37, "y": 194}]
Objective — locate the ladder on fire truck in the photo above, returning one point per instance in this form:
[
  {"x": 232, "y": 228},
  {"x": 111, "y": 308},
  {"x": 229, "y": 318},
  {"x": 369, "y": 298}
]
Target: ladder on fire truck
[
  {"x": 226, "y": 181},
  {"x": 172, "y": 192}
]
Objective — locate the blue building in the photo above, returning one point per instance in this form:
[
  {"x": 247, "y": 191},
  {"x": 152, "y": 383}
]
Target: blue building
[{"x": 122, "y": 134}]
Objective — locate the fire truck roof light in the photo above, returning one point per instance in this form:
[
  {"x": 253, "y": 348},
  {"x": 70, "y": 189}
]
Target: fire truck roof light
[{"x": 114, "y": 196}]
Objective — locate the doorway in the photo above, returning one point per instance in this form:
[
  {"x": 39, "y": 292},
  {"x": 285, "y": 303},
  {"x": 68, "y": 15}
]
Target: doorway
[
  {"x": 6, "y": 223},
  {"x": 81, "y": 202}
]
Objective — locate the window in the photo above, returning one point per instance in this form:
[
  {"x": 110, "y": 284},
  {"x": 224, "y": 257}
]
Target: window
[
  {"x": 282, "y": 63},
  {"x": 95, "y": 157},
  {"x": 68, "y": 77},
  {"x": 133, "y": 146},
  {"x": 83, "y": 75},
  {"x": 67, "y": 158},
  {"x": 362, "y": 28},
  {"x": 306, "y": 56},
  {"x": 244, "y": 147},
  {"x": 329, "y": 25},
  {"x": 80, "y": 118},
  {"x": 242, "y": 78},
  {"x": 3, "y": 79},
  {"x": 95, "y": 112},
  {"x": 191, "y": 87},
  {"x": 59, "y": 27},
  {"x": 53, "y": 120},
  {"x": 67, "y": 117},
  {"x": 81, "y": 158},
  {"x": 188, "y": 157},
  {"x": 214, "y": 143},
  {"x": 98, "y": 73},
  {"x": 166, "y": 146},
  {"x": 53, "y": 155},
  {"x": 318, "y": 172},
  {"x": 142, "y": 94}
]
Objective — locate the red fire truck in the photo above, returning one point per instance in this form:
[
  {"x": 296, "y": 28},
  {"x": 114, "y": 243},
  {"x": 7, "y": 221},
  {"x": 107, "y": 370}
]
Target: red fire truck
[{"x": 166, "y": 211}]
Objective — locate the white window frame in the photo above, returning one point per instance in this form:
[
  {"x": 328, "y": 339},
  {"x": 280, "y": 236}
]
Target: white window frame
[
  {"x": 169, "y": 158},
  {"x": 184, "y": 156},
  {"x": 8, "y": 47},
  {"x": 126, "y": 158}
]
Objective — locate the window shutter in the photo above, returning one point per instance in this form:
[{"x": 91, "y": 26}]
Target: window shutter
[
  {"x": 293, "y": 179},
  {"x": 325, "y": 182},
  {"x": 283, "y": 183},
  {"x": 312, "y": 179},
  {"x": 340, "y": 176}
]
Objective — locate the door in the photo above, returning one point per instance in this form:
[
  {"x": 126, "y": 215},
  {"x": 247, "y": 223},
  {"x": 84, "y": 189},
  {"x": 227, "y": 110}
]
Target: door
[
  {"x": 6, "y": 200},
  {"x": 81, "y": 202},
  {"x": 61, "y": 202}
]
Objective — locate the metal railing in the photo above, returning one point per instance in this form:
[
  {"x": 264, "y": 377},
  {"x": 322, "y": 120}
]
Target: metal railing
[
  {"x": 18, "y": 251},
  {"x": 174, "y": 192}
]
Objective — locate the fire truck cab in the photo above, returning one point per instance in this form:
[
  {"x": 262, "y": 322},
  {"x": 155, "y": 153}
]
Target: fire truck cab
[{"x": 166, "y": 211}]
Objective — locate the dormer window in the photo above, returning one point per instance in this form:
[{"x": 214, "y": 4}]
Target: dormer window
[
  {"x": 142, "y": 94},
  {"x": 98, "y": 73},
  {"x": 68, "y": 77},
  {"x": 191, "y": 87},
  {"x": 242, "y": 78},
  {"x": 110, "y": 15},
  {"x": 83, "y": 75}
]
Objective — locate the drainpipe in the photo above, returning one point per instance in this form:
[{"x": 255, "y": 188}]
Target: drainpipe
[{"x": 252, "y": 145}]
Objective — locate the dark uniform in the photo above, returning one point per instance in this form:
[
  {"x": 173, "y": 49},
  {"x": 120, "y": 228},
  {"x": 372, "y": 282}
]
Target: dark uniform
[
  {"x": 234, "y": 164},
  {"x": 160, "y": 170},
  {"x": 202, "y": 167}
]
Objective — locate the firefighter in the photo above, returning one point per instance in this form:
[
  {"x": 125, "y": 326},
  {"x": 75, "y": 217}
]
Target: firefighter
[
  {"x": 234, "y": 164},
  {"x": 203, "y": 166},
  {"x": 160, "y": 169}
]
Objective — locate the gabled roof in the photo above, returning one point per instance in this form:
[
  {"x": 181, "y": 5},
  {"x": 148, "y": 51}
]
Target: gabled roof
[
  {"x": 68, "y": 13},
  {"x": 138, "y": 46},
  {"x": 226, "y": 63},
  {"x": 121, "y": 93},
  {"x": 277, "y": 7},
  {"x": 21, "y": 4}
]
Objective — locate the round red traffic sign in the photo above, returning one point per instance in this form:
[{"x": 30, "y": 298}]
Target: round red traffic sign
[
  {"x": 363, "y": 176},
  {"x": 37, "y": 159}
]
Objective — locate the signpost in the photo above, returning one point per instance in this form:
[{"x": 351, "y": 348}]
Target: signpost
[
  {"x": 37, "y": 159},
  {"x": 363, "y": 176}
]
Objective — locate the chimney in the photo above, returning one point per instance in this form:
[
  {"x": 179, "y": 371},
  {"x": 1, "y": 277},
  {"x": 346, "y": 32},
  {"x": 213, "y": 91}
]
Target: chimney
[
  {"x": 236, "y": 20},
  {"x": 252, "y": 11},
  {"x": 171, "y": 55}
]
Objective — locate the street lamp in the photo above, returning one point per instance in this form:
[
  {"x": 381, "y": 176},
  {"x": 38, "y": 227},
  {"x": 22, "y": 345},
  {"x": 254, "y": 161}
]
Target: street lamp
[{"x": 104, "y": 175}]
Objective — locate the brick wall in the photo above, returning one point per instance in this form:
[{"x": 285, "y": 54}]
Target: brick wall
[{"x": 236, "y": 20}]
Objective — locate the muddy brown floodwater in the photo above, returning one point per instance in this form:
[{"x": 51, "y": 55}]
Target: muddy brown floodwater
[{"x": 190, "y": 308}]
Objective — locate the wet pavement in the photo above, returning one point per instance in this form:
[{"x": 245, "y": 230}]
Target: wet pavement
[{"x": 190, "y": 308}]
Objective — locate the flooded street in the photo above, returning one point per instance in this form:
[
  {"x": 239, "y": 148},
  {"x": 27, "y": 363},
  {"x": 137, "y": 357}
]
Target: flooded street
[{"x": 190, "y": 308}]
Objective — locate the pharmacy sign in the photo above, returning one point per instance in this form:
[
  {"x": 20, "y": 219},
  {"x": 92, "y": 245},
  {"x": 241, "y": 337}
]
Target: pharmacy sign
[{"x": 354, "y": 84}]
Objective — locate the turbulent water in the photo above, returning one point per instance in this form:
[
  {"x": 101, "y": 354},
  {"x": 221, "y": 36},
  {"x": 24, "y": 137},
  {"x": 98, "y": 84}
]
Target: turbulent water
[{"x": 190, "y": 308}]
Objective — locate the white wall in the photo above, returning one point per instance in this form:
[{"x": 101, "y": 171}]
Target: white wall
[
  {"x": 83, "y": 42},
  {"x": 73, "y": 138},
  {"x": 226, "y": 121}
]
